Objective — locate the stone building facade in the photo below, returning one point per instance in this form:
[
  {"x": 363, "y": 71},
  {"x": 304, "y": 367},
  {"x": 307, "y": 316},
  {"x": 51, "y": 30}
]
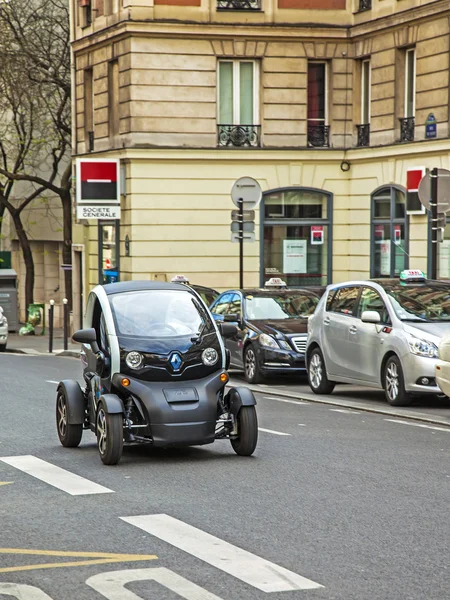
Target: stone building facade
[{"x": 326, "y": 103}]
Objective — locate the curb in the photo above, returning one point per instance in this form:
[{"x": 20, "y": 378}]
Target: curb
[
  {"x": 31, "y": 352},
  {"x": 341, "y": 403}
]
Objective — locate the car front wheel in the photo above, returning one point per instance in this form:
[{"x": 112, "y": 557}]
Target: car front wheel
[
  {"x": 109, "y": 436},
  {"x": 247, "y": 422},
  {"x": 317, "y": 374},
  {"x": 251, "y": 366},
  {"x": 69, "y": 434},
  {"x": 394, "y": 383}
]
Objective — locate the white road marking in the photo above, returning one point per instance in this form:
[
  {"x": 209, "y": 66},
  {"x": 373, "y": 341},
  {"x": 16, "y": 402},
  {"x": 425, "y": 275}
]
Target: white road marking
[
  {"x": 51, "y": 381},
  {"x": 256, "y": 571},
  {"x": 447, "y": 429},
  {"x": 285, "y": 400},
  {"x": 301, "y": 425},
  {"x": 55, "y": 476},
  {"x": 111, "y": 585},
  {"x": 272, "y": 431},
  {"x": 345, "y": 411},
  {"x": 22, "y": 591}
]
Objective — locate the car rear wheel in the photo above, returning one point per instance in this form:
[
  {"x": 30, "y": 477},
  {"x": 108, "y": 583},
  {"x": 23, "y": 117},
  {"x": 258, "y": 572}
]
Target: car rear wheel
[
  {"x": 109, "y": 436},
  {"x": 394, "y": 383},
  {"x": 247, "y": 426},
  {"x": 251, "y": 366},
  {"x": 317, "y": 374},
  {"x": 69, "y": 434}
]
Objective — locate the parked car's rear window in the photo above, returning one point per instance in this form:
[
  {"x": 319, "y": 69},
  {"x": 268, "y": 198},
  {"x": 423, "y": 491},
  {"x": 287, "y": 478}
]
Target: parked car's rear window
[{"x": 344, "y": 300}]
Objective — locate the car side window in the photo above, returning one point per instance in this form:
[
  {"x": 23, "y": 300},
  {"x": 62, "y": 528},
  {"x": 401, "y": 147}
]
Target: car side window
[
  {"x": 331, "y": 295},
  {"x": 235, "y": 305},
  {"x": 344, "y": 300},
  {"x": 371, "y": 300},
  {"x": 221, "y": 306}
]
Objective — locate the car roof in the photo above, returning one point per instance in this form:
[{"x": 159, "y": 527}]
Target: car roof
[
  {"x": 270, "y": 291},
  {"x": 134, "y": 286},
  {"x": 391, "y": 283}
]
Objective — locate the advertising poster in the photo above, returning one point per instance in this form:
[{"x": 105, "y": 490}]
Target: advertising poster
[
  {"x": 317, "y": 234},
  {"x": 294, "y": 256},
  {"x": 397, "y": 234},
  {"x": 379, "y": 233},
  {"x": 385, "y": 258}
]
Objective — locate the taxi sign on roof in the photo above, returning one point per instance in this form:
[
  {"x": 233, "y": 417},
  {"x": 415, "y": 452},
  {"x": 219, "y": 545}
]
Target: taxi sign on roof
[
  {"x": 412, "y": 275},
  {"x": 179, "y": 279},
  {"x": 275, "y": 282}
]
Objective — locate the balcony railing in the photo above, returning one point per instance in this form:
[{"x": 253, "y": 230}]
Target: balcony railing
[
  {"x": 407, "y": 129},
  {"x": 319, "y": 136},
  {"x": 365, "y": 5},
  {"x": 238, "y": 4},
  {"x": 90, "y": 141},
  {"x": 363, "y": 135},
  {"x": 239, "y": 135}
]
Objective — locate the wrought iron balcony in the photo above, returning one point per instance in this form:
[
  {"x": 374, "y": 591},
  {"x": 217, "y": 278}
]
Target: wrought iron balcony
[
  {"x": 365, "y": 5},
  {"x": 363, "y": 135},
  {"x": 90, "y": 141},
  {"x": 407, "y": 129},
  {"x": 238, "y": 4},
  {"x": 319, "y": 136},
  {"x": 239, "y": 135}
]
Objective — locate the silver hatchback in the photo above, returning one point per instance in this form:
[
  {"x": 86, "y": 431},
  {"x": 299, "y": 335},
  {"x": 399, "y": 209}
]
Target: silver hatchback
[{"x": 380, "y": 333}]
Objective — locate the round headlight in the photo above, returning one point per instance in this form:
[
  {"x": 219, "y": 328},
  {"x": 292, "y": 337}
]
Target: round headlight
[
  {"x": 210, "y": 357},
  {"x": 134, "y": 360}
]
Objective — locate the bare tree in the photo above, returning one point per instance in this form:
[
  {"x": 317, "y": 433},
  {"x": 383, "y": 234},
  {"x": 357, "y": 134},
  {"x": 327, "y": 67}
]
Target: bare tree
[{"x": 35, "y": 128}]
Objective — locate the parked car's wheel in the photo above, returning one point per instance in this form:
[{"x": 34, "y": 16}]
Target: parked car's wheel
[
  {"x": 3, "y": 348},
  {"x": 251, "y": 366},
  {"x": 69, "y": 434},
  {"x": 247, "y": 426},
  {"x": 109, "y": 436},
  {"x": 317, "y": 374},
  {"x": 394, "y": 383}
]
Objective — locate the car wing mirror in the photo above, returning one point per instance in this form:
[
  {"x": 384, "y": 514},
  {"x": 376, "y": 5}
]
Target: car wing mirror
[
  {"x": 371, "y": 316},
  {"x": 227, "y": 329},
  {"x": 85, "y": 336}
]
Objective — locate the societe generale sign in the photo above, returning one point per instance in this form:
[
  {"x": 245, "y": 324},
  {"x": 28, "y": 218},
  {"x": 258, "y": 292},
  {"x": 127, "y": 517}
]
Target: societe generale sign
[{"x": 98, "y": 188}]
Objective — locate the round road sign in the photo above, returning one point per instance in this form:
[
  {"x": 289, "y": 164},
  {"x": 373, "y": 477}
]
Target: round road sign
[
  {"x": 443, "y": 190},
  {"x": 247, "y": 189}
]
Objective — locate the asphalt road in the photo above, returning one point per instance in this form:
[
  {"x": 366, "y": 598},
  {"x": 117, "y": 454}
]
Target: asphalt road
[{"x": 352, "y": 500}]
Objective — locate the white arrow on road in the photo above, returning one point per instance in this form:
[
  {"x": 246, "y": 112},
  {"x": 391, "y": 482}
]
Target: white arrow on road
[{"x": 243, "y": 565}]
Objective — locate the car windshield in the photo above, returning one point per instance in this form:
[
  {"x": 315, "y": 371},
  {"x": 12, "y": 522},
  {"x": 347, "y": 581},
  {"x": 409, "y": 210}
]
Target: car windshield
[
  {"x": 281, "y": 306},
  {"x": 158, "y": 314},
  {"x": 423, "y": 303}
]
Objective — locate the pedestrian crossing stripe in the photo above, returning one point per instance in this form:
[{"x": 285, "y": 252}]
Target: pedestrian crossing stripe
[{"x": 93, "y": 558}]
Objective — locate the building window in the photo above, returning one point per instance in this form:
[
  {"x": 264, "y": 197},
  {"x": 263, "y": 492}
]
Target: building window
[
  {"x": 113, "y": 97},
  {"x": 364, "y": 127},
  {"x": 85, "y": 13},
  {"x": 389, "y": 235},
  {"x": 407, "y": 122},
  {"x": 89, "y": 109},
  {"x": 318, "y": 130},
  {"x": 238, "y": 103},
  {"x": 296, "y": 236}
]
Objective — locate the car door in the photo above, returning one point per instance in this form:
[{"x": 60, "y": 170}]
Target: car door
[
  {"x": 339, "y": 318},
  {"x": 235, "y": 343},
  {"x": 367, "y": 338}
]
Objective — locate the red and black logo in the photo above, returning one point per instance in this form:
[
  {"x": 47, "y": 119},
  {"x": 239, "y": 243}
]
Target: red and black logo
[{"x": 98, "y": 181}]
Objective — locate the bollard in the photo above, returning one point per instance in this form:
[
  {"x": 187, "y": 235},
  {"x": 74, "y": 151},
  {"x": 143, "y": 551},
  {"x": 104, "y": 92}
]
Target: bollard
[
  {"x": 51, "y": 311},
  {"x": 66, "y": 322}
]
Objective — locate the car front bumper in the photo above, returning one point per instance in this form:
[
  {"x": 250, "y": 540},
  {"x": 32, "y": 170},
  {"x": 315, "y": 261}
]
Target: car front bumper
[
  {"x": 416, "y": 368},
  {"x": 280, "y": 361},
  {"x": 443, "y": 376}
]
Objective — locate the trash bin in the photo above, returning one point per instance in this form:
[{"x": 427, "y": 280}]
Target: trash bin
[{"x": 8, "y": 297}]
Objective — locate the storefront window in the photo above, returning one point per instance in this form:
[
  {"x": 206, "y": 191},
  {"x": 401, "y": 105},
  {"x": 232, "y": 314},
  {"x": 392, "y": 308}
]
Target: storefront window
[
  {"x": 108, "y": 236},
  {"x": 297, "y": 241},
  {"x": 389, "y": 253}
]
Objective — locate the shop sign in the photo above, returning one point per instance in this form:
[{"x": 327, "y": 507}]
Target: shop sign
[
  {"x": 317, "y": 234},
  {"x": 98, "y": 188},
  {"x": 294, "y": 256}
]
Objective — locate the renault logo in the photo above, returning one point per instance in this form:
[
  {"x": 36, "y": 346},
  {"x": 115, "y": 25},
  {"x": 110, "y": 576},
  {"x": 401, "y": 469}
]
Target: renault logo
[{"x": 176, "y": 361}]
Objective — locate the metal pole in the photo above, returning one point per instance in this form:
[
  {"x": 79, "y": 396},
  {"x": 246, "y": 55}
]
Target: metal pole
[
  {"x": 66, "y": 322},
  {"x": 51, "y": 311},
  {"x": 434, "y": 222},
  {"x": 241, "y": 243}
]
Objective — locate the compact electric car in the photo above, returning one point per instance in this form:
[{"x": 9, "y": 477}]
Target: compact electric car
[
  {"x": 155, "y": 371},
  {"x": 3, "y": 331}
]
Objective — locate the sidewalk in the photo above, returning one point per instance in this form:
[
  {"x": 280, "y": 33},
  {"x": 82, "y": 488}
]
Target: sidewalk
[{"x": 38, "y": 344}]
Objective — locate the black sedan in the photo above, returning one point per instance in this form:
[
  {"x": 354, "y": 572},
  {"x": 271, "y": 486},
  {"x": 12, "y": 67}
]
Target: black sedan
[{"x": 272, "y": 329}]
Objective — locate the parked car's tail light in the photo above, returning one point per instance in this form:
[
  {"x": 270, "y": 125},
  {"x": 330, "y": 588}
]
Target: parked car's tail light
[
  {"x": 210, "y": 357},
  {"x": 134, "y": 360}
]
